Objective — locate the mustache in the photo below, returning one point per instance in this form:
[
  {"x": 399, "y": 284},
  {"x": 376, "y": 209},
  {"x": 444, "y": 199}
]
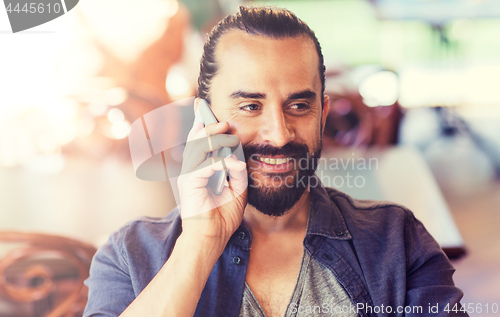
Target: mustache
[{"x": 291, "y": 149}]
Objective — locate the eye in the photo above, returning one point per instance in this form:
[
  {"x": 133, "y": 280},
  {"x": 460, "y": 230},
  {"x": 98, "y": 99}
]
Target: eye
[
  {"x": 299, "y": 106},
  {"x": 250, "y": 107}
]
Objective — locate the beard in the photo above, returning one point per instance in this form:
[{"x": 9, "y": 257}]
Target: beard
[{"x": 274, "y": 200}]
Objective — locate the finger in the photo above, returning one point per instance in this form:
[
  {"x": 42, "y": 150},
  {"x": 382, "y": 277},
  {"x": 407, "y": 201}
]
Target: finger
[
  {"x": 238, "y": 175},
  {"x": 200, "y": 131},
  {"x": 196, "y": 151},
  {"x": 237, "y": 168},
  {"x": 208, "y": 130},
  {"x": 238, "y": 151},
  {"x": 238, "y": 181},
  {"x": 199, "y": 177},
  {"x": 217, "y": 141},
  {"x": 217, "y": 128}
]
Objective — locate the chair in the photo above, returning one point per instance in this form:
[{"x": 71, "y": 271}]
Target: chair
[{"x": 42, "y": 275}]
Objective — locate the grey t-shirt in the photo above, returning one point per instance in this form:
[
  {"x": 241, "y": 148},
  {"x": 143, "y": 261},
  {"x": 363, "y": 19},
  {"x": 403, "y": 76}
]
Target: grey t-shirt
[{"x": 317, "y": 293}]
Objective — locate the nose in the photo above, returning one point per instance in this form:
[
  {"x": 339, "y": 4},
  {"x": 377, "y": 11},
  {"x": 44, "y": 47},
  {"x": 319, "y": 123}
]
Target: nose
[{"x": 277, "y": 129}]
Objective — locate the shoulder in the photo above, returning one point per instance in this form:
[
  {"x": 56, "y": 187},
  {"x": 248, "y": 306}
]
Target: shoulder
[
  {"x": 360, "y": 210},
  {"x": 143, "y": 240},
  {"x": 148, "y": 232},
  {"x": 149, "y": 228},
  {"x": 387, "y": 226},
  {"x": 129, "y": 260},
  {"x": 383, "y": 224},
  {"x": 338, "y": 212}
]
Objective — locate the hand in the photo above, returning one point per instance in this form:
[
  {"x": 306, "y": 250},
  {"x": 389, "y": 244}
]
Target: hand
[{"x": 207, "y": 216}]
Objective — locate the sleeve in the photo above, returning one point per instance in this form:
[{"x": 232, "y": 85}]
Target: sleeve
[
  {"x": 429, "y": 274},
  {"x": 109, "y": 283}
]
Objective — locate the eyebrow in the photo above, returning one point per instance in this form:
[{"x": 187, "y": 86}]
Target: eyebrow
[
  {"x": 247, "y": 95},
  {"x": 306, "y": 94}
]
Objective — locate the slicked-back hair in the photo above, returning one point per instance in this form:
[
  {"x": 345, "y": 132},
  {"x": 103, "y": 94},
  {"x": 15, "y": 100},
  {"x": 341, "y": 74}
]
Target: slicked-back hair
[{"x": 272, "y": 22}]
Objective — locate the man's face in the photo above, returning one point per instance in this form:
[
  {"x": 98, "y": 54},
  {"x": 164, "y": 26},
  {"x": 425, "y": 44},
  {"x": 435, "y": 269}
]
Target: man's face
[{"x": 269, "y": 90}]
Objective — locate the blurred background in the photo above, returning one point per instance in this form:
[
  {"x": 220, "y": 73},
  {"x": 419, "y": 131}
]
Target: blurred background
[{"x": 413, "y": 84}]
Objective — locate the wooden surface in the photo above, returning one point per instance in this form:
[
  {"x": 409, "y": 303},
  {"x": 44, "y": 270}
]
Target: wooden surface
[{"x": 43, "y": 275}]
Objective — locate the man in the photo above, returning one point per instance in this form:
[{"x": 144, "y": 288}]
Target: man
[{"x": 271, "y": 244}]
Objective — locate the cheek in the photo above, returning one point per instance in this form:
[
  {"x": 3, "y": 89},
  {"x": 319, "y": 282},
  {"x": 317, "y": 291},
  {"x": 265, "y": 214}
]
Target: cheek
[
  {"x": 310, "y": 136},
  {"x": 234, "y": 128},
  {"x": 243, "y": 131}
]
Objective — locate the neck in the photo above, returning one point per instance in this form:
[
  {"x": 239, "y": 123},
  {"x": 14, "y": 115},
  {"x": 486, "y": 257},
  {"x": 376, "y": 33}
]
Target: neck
[{"x": 294, "y": 219}]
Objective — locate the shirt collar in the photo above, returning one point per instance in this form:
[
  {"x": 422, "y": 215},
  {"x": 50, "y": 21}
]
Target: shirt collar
[{"x": 327, "y": 219}]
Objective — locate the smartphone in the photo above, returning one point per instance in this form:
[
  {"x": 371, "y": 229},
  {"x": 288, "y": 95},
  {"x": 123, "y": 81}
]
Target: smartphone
[{"x": 219, "y": 179}]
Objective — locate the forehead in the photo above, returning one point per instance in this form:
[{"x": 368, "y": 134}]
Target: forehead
[{"x": 258, "y": 62}]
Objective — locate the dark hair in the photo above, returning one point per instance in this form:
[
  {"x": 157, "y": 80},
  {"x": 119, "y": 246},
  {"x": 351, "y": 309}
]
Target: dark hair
[{"x": 272, "y": 22}]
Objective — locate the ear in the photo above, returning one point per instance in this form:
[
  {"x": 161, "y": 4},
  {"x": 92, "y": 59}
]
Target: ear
[{"x": 325, "y": 112}]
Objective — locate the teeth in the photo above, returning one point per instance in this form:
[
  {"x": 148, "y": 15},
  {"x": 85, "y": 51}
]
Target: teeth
[{"x": 274, "y": 161}]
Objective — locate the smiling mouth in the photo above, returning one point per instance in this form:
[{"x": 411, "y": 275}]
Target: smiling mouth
[{"x": 274, "y": 161}]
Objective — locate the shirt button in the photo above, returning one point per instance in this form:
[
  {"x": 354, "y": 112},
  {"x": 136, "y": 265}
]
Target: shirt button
[
  {"x": 236, "y": 260},
  {"x": 242, "y": 235}
]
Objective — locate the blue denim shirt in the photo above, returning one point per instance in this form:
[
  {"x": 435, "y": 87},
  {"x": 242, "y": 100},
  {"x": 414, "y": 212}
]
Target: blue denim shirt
[{"x": 379, "y": 252}]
